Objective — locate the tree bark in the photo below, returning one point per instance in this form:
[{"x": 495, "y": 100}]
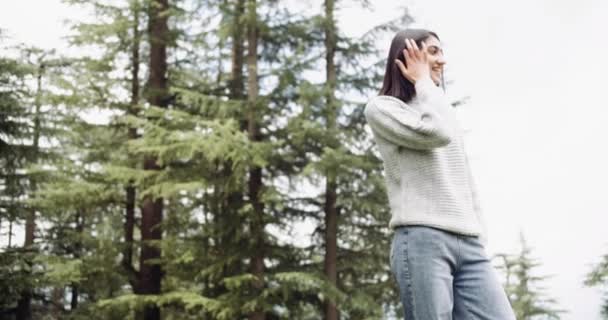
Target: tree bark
[
  {"x": 150, "y": 274},
  {"x": 129, "y": 225},
  {"x": 232, "y": 198},
  {"x": 237, "y": 85},
  {"x": 255, "y": 173},
  {"x": 331, "y": 213},
  {"x": 24, "y": 308},
  {"x": 80, "y": 220}
]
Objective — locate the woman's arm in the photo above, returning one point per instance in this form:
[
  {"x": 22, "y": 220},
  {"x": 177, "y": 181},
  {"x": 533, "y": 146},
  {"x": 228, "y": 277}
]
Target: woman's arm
[
  {"x": 422, "y": 127},
  {"x": 483, "y": 238}
]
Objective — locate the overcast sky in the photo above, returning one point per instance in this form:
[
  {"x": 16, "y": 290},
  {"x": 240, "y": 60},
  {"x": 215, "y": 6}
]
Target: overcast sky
[{"x": 537, "y": 117}]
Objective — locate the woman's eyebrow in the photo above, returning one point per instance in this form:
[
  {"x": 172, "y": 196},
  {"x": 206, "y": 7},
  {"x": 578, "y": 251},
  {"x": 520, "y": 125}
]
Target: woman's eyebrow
[{"x": 436, "y": 47}]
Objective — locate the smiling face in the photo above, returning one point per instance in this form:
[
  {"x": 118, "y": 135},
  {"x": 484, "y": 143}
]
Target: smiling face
[
  {"x": 435, "y": 58},
  {"x": 395, "y": 84}
]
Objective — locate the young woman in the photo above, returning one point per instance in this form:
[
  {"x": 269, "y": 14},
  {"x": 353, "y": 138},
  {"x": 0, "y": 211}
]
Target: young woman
[{"x": 437, "y": 254}]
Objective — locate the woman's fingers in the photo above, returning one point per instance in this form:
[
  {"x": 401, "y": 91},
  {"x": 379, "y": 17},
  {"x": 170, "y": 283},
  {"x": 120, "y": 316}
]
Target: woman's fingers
[
  {"x": 404, "y": 71},
  {"x": 407, "y": 55},
  {"x": 411, "y": 48},
  {"x": 415, "y": 46},
  {"x": 401, "y": 66},
  {"x": 423, "y": 51},
  {"x": 414, "y": 51},
  {"x": 416, "y": 60},
  {"x": 408, "y": 46}
]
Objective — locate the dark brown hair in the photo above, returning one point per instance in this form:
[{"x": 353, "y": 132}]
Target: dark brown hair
[{"x": 395, "y": 84}]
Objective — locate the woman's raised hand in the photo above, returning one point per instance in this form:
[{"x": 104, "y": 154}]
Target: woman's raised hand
[{"x": 417, "y": 62}]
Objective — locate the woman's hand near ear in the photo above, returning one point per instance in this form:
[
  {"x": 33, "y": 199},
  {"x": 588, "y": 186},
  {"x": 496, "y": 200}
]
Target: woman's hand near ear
[{"x": 417, "y": 62}]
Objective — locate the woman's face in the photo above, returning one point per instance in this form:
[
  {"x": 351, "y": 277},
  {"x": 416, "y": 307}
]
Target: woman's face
[{"x": 435, "y": 58}]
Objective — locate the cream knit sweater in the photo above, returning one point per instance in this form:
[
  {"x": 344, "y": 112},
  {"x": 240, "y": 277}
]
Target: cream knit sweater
[{"x": 427, "y": 174}]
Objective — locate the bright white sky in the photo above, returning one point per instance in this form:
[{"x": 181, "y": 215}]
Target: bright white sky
[{"x": 533, "y": 69}]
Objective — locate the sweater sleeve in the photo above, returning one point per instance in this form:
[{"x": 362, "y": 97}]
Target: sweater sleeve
[{"x": 420, "y": 128}]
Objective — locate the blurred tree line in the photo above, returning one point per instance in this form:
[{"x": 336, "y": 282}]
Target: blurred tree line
[
  {"x": 199, "y": 159},
  {"x": 196, "y": 161}
]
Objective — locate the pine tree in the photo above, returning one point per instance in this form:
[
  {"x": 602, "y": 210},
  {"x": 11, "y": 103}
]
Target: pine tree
[
  {"x": 331, "y": 212},
  {"x": 524, "y": 288},
  {"x": 255, "y": 174},
  {"x": 15, "y": 262},
  {"x": 598, "y": 277},
  {"x": 354, "y": 223},
  {"x": 150, "y": 273},
  {"x": 85, "y": 200},
  {"x": 30, "y": 127}
]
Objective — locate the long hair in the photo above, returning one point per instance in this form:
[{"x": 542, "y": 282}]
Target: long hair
[{"x": 395, "y": 84}]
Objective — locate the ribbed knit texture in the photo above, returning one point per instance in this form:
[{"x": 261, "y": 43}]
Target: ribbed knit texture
[{"x": 427, "y": 173}]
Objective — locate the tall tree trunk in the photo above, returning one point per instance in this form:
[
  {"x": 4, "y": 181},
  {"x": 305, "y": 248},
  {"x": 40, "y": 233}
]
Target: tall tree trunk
[
  {"x": 237, "y": 91},
  {"x": 80, "y": 219},
  {"x": 74, "y": 299},
  {"x": 129, "y": 224},
  {"x": 331, "y": 212},
  {"x": 237, "y": 85},
  {"x": 231, "y": 200},
  {"x": 24, "y": 308},
  {"x": 255, "y": 173},
  {"x": 10, "y": 233},
  {"x": 30, "y": 222},
  {"x": 57, "y": 295},
  {"x": 150, "y": 274}
]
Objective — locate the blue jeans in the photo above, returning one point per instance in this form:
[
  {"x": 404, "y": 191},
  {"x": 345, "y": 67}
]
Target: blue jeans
[{"x": 444, "y": 275}]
